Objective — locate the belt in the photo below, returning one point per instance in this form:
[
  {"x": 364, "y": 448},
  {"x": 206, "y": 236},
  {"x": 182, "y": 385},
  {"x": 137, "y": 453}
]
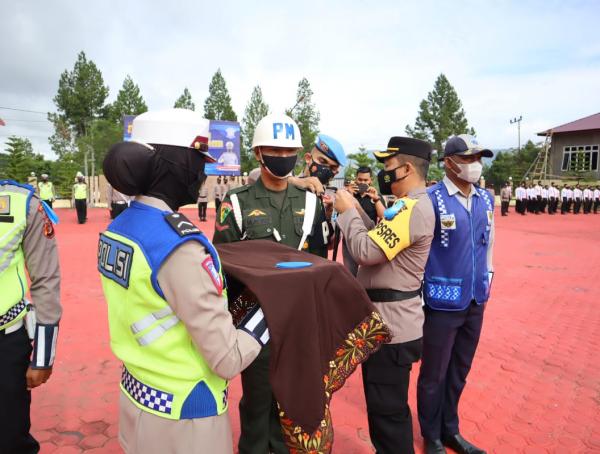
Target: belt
[
  {"x": 11, "y": 329},
  {"x": 385, "y": 295}
]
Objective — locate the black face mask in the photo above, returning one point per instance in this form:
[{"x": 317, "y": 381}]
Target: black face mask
[
  {"x": 386, "y": 178},
  {"x": 279, "y": 166},
  {"x": 321, "y": 171}
]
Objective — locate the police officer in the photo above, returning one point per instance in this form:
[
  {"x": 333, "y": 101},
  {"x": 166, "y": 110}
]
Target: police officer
[
  {"x": 270, "y": 209},
  {"x": 596, "y": 199},
  {"x": 32, "y": 180},
  {"x": 505, "y": 196},
  {"x": 564, "y": 196},
  {"x": 117, "y": 200},
  {"x": 456, "y": 287},
  {"x": 202, "y": 202},
  {"x": 166, "y": 295},
  {"x": 26, "y": 242},
  {"x": 577, "y": 199},
  {"x": 323, "y": 163},
  {"x": 80, "y": 197},
  {"x": 46, "y": 190},
  {"x": 392, "y": 257}
]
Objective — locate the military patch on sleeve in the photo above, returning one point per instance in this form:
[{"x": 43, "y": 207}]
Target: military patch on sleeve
[
  {"x": 214, "y": 275},
  {"x": 224, "y": 211},
  {"x": 182, "y": 225},
  {"x": 4, "y": 204},
  {"x": 48, "y": 228}
]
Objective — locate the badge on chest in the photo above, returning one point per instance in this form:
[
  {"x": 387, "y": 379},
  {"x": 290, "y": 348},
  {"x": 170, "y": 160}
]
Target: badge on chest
[{"x": 448, "y": 221}]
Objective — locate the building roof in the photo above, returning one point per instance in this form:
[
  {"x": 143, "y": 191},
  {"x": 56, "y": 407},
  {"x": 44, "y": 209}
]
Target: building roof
[{"x": 583, "y": 124}]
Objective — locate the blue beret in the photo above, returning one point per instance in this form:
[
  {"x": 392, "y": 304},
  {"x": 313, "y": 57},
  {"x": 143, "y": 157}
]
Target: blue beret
[{"x": 331, "y": 148}]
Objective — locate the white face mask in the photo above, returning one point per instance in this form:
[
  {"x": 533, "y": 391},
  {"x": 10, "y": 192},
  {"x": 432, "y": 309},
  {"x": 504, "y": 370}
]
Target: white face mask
[{"x": 469, "y": 172}]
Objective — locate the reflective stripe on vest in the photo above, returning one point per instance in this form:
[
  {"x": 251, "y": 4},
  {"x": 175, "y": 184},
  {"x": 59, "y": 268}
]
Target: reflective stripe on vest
[
  {"x": 160, "y": 356},
  {"x": 13, "y": 281}
]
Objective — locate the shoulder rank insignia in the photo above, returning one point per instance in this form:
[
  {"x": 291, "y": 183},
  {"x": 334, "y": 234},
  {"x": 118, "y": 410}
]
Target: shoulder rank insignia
[
  {"x": 256, "y": 212},
  {"x": 181, "y": 224},
  {"x": 391, "y": 212}
]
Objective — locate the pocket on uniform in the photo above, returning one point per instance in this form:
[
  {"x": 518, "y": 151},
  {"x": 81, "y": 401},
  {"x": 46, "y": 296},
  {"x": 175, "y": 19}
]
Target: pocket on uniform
[
  {"x": 442, "y": 292},
  {"x": 258, "y": 224},
  {"x": 487, "y": 284},
  {"x": 259, "y": 231}
]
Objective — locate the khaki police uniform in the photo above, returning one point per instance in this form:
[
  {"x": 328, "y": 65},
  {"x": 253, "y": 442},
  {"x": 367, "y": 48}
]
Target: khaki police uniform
[
  {"x": 202, "y": 202},
  {"x": 392, "y": 258},
  {"x": 27, "y": 237},
  {"x": 251, "y": 213},
  {"x": 191, "y": 294}
]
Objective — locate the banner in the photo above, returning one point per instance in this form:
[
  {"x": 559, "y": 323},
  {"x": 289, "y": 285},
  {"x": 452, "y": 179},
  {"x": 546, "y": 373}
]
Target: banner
[
  {"x": 127, "y": 125},
  {"x": 224, "y": 146}
]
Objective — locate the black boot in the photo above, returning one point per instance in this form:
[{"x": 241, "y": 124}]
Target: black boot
[
  {"x": 461, "y": 446},
  {"x": 434, "y": 447}
]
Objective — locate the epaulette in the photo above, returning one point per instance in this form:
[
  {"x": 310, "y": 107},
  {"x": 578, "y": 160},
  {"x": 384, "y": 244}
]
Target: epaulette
[
  {"x": 239, "y": 189},
  {"x": 182, "y": 225}
]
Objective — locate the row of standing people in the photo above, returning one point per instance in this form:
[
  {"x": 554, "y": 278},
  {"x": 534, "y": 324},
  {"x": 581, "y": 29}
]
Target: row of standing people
[{"x": 538, "y": 199}]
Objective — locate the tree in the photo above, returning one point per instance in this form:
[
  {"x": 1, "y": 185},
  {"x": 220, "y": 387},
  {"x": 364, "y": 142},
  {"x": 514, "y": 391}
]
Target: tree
[
  {"x": 185, "y": 101},
  {"x": 81, "y": 95},
  {"x": 218, "y": 103},
  {"x": 129, "y": 101},
  {"x": 511, "y": 163},
  {"x": 255, "y": 111},
  {"x": 306, "y": 115},
  {"x": 101, "y": 136},
  {"x": 440, "y": 116},
  {"x": 21, "y": 159}
]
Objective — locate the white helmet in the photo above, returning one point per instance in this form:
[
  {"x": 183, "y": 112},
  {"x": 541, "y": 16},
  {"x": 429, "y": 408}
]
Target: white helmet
[
  {"x": 176, "y": 127},
  {"x": 277, "y": 131}
]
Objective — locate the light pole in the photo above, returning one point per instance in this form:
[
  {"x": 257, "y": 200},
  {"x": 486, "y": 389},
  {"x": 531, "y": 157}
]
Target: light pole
[{"x": 518, "y": 122}]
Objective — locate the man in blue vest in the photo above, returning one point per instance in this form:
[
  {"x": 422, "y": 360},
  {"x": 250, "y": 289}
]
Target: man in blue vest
[{"x": 457, "y": 284}]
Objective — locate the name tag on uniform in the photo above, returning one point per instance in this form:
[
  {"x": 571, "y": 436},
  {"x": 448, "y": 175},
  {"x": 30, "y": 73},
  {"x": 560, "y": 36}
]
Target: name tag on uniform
[
  {"x": 448, "y": 221},
  {"x": 4, "y": 204}
]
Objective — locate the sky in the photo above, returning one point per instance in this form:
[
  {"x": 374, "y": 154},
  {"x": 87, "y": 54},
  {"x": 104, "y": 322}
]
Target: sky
[{"x": 369, "y": 63}]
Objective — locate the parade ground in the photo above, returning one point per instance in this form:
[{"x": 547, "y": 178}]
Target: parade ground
[{"x": 534, "y": 387}]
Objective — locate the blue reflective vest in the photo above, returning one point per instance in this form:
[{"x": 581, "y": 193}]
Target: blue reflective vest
[{"x": 456, "y": 272}]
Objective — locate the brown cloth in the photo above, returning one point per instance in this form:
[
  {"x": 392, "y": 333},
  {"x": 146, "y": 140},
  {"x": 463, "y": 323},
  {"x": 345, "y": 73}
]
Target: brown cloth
[{"x": 321, "y": 323}]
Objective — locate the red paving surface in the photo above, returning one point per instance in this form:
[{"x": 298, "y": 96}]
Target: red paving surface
[{"x": 534, "y": 387}]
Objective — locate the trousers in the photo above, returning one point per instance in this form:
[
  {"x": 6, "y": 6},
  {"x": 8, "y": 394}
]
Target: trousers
[
  {"x": 15, "y": 350},
  {"x": 386, "y": 377},
  {"x": 259, "y": 417},
  {"x": 449, "y": 343},
  {"x": 81, "y": 208}
]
